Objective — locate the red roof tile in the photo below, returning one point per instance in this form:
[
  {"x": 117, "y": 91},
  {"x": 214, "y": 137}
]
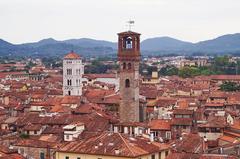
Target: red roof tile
[
  {"x": 160, "y": 124},
  {"x": 72, "y": 55},
  {"x": 110, "y": 142}
]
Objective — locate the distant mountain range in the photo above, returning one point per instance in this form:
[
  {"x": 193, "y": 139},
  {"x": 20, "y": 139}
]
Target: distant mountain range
[
  {"x": 224, "y": 44},
  {"x": 160, "y": 45}
]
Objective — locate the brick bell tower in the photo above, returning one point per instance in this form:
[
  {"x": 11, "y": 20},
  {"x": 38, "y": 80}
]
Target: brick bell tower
[{"x": 129, "y": 58}]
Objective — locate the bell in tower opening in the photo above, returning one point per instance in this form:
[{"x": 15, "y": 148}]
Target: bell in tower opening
[
  {"x": 128, "y": 43},
  {"x": 129, "y": 58}
]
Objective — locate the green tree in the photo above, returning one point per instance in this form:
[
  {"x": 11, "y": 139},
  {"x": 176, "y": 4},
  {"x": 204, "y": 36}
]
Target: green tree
[
  {"x": 24, "y": 136},
  {"x": 169, "y": 70},
  {"x": 98, "y": 67},
  {"x": 230, "y": 86},
  {"x": 187, "y": 72},
  {"x": 29, "y": 65},
  {"x": 222, "y": 65}
]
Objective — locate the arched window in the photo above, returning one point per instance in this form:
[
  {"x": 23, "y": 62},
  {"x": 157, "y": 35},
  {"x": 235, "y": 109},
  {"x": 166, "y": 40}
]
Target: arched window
[
  {"x": 129, "y": 66},
  {"x": 127, "y": 83},
  {"x": 69, "y": 71},
  {"x": 69, "y": 82},
  {"x": 128, "y": 43},
  {"x": 124, "y": 65}
]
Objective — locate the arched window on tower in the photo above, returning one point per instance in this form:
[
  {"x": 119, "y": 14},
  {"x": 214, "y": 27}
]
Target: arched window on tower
[
  {"x": 128, "y": 42},
  {"x": 127, "y": 83},
  {"x": 124, "y": 65},
  {"x": 129, "y": 66}
]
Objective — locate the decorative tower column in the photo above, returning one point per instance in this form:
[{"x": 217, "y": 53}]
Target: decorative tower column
[
  {"x": 73, "y": 70},
  {"x": 129, "y": 58}
]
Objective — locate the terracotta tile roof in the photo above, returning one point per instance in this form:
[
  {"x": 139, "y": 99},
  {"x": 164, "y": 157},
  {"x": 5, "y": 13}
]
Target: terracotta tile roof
[
  {"x": 150, "y": 109},
  {"x": 200, "y": 86},
  {"x": 55, "y": 92},
  {"x": 107, "y": 143},
  {"x": 12, "y": 156},
  {"x": 93, "y": 122},
  {"x": 103, "y": 84},
  {"x": 71, "y": 100},
  {"x": 10, "y": 120},
  {"x": 5, "y": 74},
  {"x": 165, "y": 101},
  {"x": 214, "y": 122},
  {"x": 160, "y": 124},
  {"x": 149, "y": 91},
  {"x": 6, "y": 150},
  {"x": 32, "y": 127},
  {"x": 236, "y": 124},
  {"x": 183, "y": 155},
  {"x": 232, "y": 133},
  {"x": 218, "y": 94},
  {"x": 182, "y": 121},
  {"x": 201, "y": 78},
  {"x": 38, "y": 96},
  {"x": 217, "y": 156},
  {"x": 190, "y": 143},
  {"x": 229, "y": 139},
  {"x": 32, "y": 118},
  {"x": 94, "y": 76},
  {"x": 5, "y": 132},
  {"x": 111, "y": 99},
  {"x": 184, "y": 88},
  {"x": 214, "y": 105},
  {"x": 34, "y": 143},
  {"x": 6, "y": 66},
  {"x": 44, "y": 104},
  {"x": 72, "y": 55},
  {"x": 128, "y": 33},
  {"x": 140, "y": 124},
  {"x": 225, "y": 77},
  {"x": 53, "y": 130},
  {"x": 86, "y": 108},
  {"x": 182, "y": 104},
  {"x": 199, "y": 114},
  {"x": 53, "y": 138},
  {"x": 182, "y": 112},
  {"x": 97, "y": 95}
]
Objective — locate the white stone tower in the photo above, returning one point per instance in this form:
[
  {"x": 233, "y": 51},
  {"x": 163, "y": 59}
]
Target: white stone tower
[{"x": 73, "y": 69}]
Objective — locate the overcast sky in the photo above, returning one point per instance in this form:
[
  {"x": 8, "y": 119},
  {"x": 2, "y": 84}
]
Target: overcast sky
[{"x": 189, "y": 20}]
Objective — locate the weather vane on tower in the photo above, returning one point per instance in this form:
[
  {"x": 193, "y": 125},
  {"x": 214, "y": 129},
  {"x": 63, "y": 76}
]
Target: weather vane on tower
[{"x": 130, "y": 24}]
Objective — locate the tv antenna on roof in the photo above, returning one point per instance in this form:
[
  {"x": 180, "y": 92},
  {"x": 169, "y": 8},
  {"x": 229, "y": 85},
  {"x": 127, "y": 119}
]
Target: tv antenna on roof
[{"x": 130, "y": 24}]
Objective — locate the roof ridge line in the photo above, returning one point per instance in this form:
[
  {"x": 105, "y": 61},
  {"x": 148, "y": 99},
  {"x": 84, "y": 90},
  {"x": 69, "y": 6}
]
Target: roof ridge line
[{"x": 126, "y": 144}]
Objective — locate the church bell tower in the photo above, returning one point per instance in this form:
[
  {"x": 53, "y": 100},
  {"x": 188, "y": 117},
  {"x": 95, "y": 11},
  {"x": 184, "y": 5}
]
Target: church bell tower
[{"x": 129, "y": 58}]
